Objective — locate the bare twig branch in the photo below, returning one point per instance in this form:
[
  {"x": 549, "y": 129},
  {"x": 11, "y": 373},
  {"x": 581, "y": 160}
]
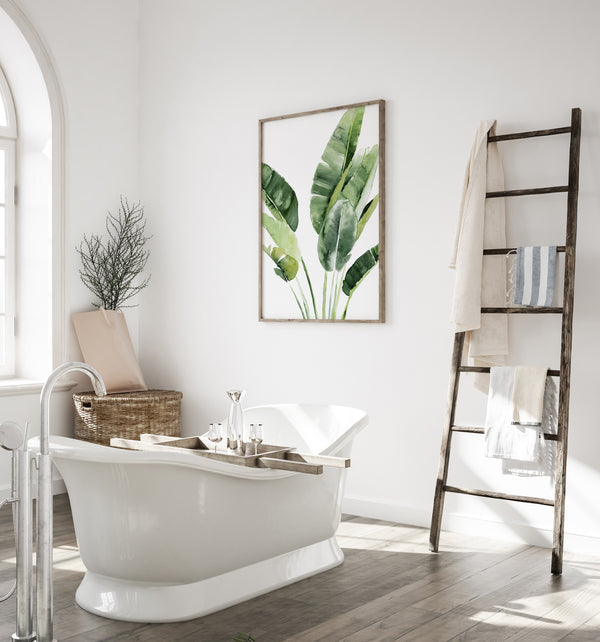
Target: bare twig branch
[{"x": 109, "y": 268}]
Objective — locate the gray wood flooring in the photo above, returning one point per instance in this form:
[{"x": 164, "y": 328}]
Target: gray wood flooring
[{"x": 389, "y": 588}]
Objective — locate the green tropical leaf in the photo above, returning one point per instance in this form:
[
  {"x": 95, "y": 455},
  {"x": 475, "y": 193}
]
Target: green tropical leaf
[
  {"x": 334, "y": 165},
  {"x": 363, "y": 219},
  {"x": 283, "y": 236},
  {"x": 279, "y": 197},
  {"x": 359, "y": 270},
  {"x": 337, "y": 237},
  {"x": 287, "y": 266},
  {"x": 358, "y": 188}
]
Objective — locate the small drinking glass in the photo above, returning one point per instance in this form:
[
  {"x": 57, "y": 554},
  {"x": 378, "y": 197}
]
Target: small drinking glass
[
  {"x": 256, "y": 436},
  {"x": 215, "y": 434}
]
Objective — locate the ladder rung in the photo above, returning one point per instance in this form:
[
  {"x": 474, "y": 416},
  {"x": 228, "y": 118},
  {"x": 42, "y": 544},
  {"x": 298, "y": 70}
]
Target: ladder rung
[
  {"x": 533, "y": 134},
  {"x": 484, "y": 369},
  {"x": 526, "y": 310},
  {"x": 548, "y": 436},
  {"x": 492, "y": 495},
  {"x": 526, "y": 192},
  {"x": 506, "y": 250}
]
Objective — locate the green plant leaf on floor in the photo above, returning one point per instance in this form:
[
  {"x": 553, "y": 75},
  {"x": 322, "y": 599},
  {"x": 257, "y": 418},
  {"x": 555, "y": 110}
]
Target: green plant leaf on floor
[
  {"x": 359, "y": 270},
  {"x": 287, "y": 266},
  {"x": 282, "y": 235},
  {"x": 335, "y": 163},
  {"x": 243, "y": 637},
  {"x": 279, "y": 197},
  {"x": 337, "y": 237}
]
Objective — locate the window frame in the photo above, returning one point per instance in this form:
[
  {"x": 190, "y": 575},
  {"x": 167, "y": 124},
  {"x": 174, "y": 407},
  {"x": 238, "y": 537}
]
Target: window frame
[{"x": 8, "y": 138}]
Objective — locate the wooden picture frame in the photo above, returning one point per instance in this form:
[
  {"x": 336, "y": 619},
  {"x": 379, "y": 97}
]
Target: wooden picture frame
[{"x": 322, "y": 215}]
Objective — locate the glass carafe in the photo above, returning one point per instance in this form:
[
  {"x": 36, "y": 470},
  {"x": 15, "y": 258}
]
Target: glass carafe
[{"x": 235, "y": 422}]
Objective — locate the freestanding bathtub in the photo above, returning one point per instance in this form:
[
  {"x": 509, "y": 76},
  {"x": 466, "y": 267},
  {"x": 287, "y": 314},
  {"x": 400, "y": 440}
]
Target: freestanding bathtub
[{"x": 168, "y": 537}]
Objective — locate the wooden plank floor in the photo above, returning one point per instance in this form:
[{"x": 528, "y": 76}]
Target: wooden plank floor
[{"x": 389, "y": 588}]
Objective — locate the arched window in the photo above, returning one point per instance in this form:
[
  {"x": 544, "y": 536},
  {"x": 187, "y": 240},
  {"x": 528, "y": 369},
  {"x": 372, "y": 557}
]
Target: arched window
[
  {"x": 8, "y": 137},
  {"x": 33, "y": 314}
]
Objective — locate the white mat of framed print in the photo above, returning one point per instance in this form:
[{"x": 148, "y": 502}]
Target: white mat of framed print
[{"x": 321, "y": 213}]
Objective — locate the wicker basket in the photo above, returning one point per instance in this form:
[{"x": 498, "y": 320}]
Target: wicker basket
[{"x": 127, "y": 415}]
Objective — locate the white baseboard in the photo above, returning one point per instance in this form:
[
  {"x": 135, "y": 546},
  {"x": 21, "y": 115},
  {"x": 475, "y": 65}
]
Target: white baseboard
[{"x": 508, "y": 531}]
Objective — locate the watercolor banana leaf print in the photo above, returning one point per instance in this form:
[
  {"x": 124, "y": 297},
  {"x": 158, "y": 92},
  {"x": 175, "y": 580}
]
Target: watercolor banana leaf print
[
  {"x": 358, "y": 272},
  {"x": 287, "y": 266},
  {"x": 365, "y": 215},
  {"x": 337, "y": 236},
  {"x": 336, "y": 161},
  {"x": 341, "y": 205},
  {"x": 279, "y": 197}
]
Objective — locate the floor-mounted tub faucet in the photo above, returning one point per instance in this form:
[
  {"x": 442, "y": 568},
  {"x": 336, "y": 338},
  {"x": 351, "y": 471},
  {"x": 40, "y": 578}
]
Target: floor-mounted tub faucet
[
  {"x": 44, "y": 620},
  {"x": 14, "y": 438}
]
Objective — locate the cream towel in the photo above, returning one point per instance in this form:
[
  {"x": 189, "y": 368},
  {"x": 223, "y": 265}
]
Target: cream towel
[
  {"x": 528, "y": 395},
  {"x": 480, "y": 282}
]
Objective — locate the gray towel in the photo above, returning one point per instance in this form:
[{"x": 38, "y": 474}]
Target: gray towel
[{"x": 536, "y": 269}]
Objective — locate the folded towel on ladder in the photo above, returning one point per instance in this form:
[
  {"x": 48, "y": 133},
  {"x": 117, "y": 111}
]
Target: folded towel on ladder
[
  {"x": 528, "y": 395},
  {"x": 535, "y": 273},
  {"x": 545, "y": 461},
  {"x": 514, "y": 412}
]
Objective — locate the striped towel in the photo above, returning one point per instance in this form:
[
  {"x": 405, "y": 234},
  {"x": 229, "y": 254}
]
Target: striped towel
[{"x": 536, "y": 268}]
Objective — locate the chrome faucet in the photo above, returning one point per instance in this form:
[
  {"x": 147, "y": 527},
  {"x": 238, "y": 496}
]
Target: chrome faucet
[{"x": 44, "y": 619}]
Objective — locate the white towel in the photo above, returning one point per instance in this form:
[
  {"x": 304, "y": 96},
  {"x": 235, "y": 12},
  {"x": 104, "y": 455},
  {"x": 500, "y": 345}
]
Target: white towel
[
  {"x": 545, "y": 461},
  {"x": 503, "y": 439},
  {"x": 479, "y": 282}
]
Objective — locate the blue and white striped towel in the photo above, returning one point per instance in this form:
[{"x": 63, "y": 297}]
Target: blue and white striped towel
[{"x": 536, "y": 268}]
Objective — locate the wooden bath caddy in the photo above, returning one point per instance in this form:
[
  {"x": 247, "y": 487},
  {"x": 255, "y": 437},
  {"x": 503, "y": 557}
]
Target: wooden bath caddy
[{"x": 278, "y": 457}]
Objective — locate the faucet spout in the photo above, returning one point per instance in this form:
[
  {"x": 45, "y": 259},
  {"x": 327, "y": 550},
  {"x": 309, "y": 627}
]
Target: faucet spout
[
  {"x": 44, "y": 505},
  {"x": 72, "y": 366}
]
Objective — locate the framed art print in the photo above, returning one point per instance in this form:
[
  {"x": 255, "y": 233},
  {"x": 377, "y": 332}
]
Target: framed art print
[{"x": 322, "y": 223}]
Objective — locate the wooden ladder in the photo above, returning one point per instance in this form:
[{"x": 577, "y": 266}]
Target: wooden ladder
[{"x": 561, "y": 437}]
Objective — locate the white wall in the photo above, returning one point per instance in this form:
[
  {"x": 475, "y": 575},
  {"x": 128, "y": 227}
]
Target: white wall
[
  {"x": 94, "y": 49},
  {"x": 207, "y": 72},
  {"x": 211, "y": 69}
]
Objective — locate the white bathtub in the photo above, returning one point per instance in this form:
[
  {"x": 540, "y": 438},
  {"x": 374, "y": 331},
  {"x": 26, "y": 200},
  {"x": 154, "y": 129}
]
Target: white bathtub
[{"x": 168, "y": 537}]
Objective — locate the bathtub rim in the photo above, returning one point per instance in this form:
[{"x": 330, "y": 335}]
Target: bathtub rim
[{"x": 62, "y": 447}]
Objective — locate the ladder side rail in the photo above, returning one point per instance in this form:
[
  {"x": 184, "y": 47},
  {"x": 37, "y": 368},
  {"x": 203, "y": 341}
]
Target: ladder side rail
[
  {"x": 566, "y": 341},
  {"x": 438, "y": 500}
]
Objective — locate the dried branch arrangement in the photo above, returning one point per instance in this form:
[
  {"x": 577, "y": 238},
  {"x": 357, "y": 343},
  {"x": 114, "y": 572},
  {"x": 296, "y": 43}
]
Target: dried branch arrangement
[{"x": 110, "y": 268}]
